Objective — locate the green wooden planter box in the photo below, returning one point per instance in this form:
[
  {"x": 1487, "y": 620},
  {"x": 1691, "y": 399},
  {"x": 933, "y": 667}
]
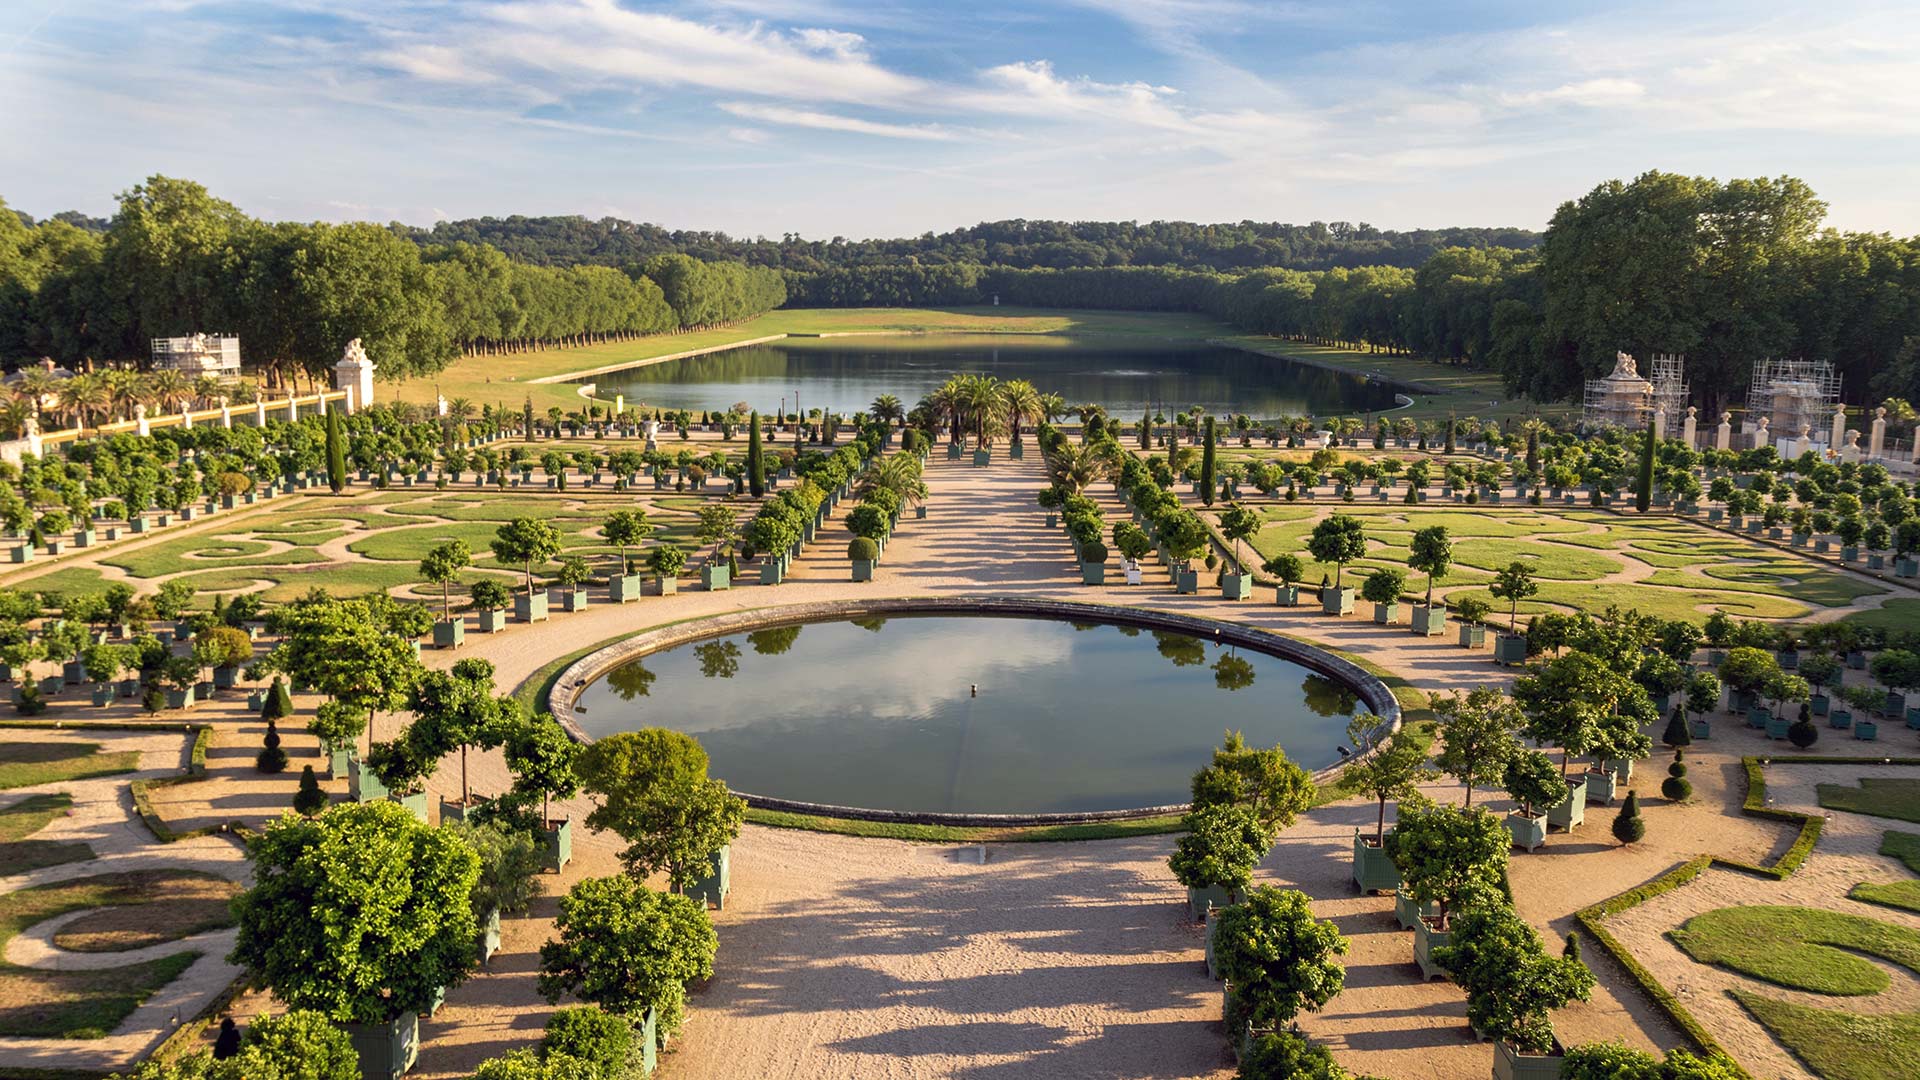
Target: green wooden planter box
[
  {"x": 1600, "y": 787},
  {"x": 415, "y": 803},
  {"x": 1839, "y": 719},
  {"x": 1236, "y": 586},
  {"x": 1866, "y": 730},
  {"x": 176, "y": 699},
  {"x": 1407, "y": 912},
  {"x": 1777, "y": 727},
  {"x": 669, "y": 586},
  {"x": 1473, "y": 636},
  {"x": 1200, "y": 901},
  {"x": 1093, "y": 573},
  {"x": 1286, "y": 595},
  {"x": 1757, "y": 717},
  {"x": 1386, "y": 614},
  {"x": 1186, "y": 581},
  {"x": 1337, "y": 601},
  {"x": 624, "y": 588},
  {"x": 773, "y": 571},
  {"x": 1701, "y": 728},
  {"x": 1511, "y": 1064},
  {"x": 982, "y": 458},
  {"x": 556, "y": 848},
  {"x": 1429, "y": 621},
  {"x": 574, "y": 600},
  {"x": 489, "y": 935},
  {"x": 337, "y": 760},
  {"x": 1373, "y": 869},
  {"x": 386, "y": 1050},
  {"x": 1528, "y": 832},
  {"x": 450, "y": 635},
  {"x": 1213, "y": 927},
  {"x": 103, "y": 694},
  {"x": 362, "y": 784},
  {"x": 1510, "y": 649},
  {"x": 493, "y": 621},
  {"x": 713, "y": 888},
  {"x": 1571, "y": 811},
  {"x": 1425, "y": 940},
  {"x": 862, "y": 570},
  {"x": 530, "y": 607},
  {"x": 715, "y": 577}
]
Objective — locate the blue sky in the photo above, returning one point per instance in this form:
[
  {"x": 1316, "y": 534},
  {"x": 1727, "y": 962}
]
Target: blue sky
[{"x": 830, "y": 117}]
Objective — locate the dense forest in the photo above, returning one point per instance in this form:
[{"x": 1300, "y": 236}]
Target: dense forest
[
  {"x": 1725, "y": 273},
  {"x": 1058, "y": 245},
  {"x": 174, "y": 259}
]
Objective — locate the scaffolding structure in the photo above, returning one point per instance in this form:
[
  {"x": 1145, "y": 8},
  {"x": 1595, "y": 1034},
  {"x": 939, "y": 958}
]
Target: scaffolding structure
[
  {"x": 1627, "y": 399},
  {"x": 1794, "y": 395}
]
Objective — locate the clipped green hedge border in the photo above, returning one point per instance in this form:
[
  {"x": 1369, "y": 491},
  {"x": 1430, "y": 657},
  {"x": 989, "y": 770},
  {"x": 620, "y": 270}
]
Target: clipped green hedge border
[{"x": 1755, "y": 805}]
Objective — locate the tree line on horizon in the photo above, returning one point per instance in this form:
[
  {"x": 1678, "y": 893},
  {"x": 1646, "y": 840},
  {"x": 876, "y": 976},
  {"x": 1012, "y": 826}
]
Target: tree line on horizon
[
  {"x": 1725, "y": 273},
  {"x": 174, "y": 260}
]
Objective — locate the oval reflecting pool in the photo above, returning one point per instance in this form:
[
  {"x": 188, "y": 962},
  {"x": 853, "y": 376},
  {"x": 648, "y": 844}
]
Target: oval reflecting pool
[{"x": 882, "y": 712}]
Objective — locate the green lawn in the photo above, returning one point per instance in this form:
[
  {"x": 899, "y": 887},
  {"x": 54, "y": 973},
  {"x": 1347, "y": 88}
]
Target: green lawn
[
  {"x": 1800, "y": 948},
  {"x": 1898, "y": 894},
  {"x": 1887, "y": 797},
  {"x": 1685, "y": 571},
  {"x": 1840, "y": 1045},
  {"x": 18, "y": 822},
  {"x": 25, "y": 764},
  {"x": 1898, "y": 613},
  {"x": 81, "y": 1004}
]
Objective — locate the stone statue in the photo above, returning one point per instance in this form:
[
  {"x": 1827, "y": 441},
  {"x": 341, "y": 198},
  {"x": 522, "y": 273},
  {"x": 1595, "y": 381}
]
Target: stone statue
[
  {"x": 1624, "y": 366},
  {"x": 354, "y": 352}
]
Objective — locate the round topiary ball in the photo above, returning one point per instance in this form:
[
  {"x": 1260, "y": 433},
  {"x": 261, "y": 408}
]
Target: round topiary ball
[
  {"x": 1677, "y": 788},
  {"x": 863, "y": 549}
]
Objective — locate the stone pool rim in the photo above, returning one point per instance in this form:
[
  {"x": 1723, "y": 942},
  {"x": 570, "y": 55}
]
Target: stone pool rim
[{"x": 576, "y": 677}]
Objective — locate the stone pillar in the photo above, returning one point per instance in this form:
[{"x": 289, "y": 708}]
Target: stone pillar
[
  {"x": 350, "y": 405},
  {"x": 1804, "y": 442},
  {"x": 226, "y": 417},
  {"x": 1690, "y": 427},
  {"x": 1659, "y": 423},
  {"x": 1838, "y": 436},
  {"x": 293, "y": 408},
  {"x": 1723, "y": 437},
  {"x": 1877, "y": 437},
  {"x": 140, "y": 425},
  {"x": 259, "y": 412},
  {"x": 1761, "y": 436},
  {"x": 186, "y": 417},
  {"x": 354, "y": 373},
  {"x": 440, "y": 405}
]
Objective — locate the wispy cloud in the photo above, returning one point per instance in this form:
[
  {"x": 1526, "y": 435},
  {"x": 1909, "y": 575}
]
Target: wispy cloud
[{"x": 810, "y": 118}]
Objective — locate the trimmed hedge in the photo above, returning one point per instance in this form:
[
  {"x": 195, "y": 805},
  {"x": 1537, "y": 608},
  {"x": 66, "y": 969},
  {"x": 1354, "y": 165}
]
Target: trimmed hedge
[{"x": 1755, "y": 805}]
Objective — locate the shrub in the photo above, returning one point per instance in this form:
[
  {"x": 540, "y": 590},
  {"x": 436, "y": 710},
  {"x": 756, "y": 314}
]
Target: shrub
[
  {"x": 1279, "y": 959},
  {"x": 31, "y": 703},
  {"x": 590, "y": 1035},
  {"x": 1628, "y": 826},
  {"x": 863, "y": 549},
  {"x": 279, "y": 703},
  {"x": 1222, "y": 845},
  {"x": 1676, "y": 786},
  {"x": 1802, "y": 733},
  {"x": 1287, "y": 1056},
  {"x": 271, "y": 758},
  {"x": 1095, "y": 552},
  {"x": 309, "y": 800}
]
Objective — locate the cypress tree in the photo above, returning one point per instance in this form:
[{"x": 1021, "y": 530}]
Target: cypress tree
[
  {"x": 1628, "y": 825},
  {"x": 526, "y": 416},
  {"x": 1206, "y": 466},
  {"x": 309, "y": 800},
  {"x": 336, "y": 451},
  {"x": 1450, "y": 426},
  {"x": 1533, "y": 450},
  {"x": 1572, "y": 951},
  {"x": 1146, "y": 430},
  {"x": 756, "y": 463},
  {"x": 1643, "y": 497}
]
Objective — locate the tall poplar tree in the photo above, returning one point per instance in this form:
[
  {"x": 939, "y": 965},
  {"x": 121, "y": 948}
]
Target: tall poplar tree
[
  {"x": 336, "y": 451},
  {"x": 1206, "y": 466},
  {"x": 1643, "y": 497},
  {"x": 756, "y": 460}
]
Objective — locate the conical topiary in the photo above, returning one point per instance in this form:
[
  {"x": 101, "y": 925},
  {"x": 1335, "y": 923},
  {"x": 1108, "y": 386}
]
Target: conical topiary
[
  {"x": 1628, "y": 825},
  {"x": 1677, "y": 734},
  {"x": 227, "y": 1043},
  {"x": 309, "y": 800},
  {"x": 1572, "y": 951},
  {"x": 279, "y": 703},
  {"x": 1676, "y": 786},
  {"x": 271, "y": 758}
]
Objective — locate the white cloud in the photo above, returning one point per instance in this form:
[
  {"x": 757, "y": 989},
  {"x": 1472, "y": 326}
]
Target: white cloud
[
  {"x": 751, "y": 136},
  {"x": 1592, "y": 93},
  {"x": 810, "y": 118}
]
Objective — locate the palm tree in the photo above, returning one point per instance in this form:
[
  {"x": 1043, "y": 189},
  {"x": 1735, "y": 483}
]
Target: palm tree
[
  {"x": 1020, "y": 402},
  {"x": 81, "y": 397},
  {"x": 14, "y": 414},
  {"x": 1072, "y": 468},
  {"x": 1052, "y": 407},
  {"x": 208, "y": 391},
  {"x": 34, "y": 386},
  {"x": 898, "y": 473},
  {"x": 946, "y": 406},
  {"x": 980, "y": 395},
  {"x": 886, "y": 409},
  {"x": 169, "y": 389}
]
